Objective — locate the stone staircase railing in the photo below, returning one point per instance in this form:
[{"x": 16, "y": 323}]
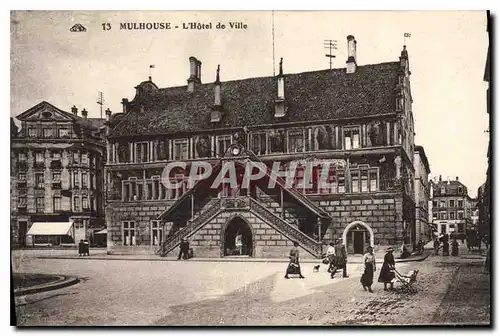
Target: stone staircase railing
[
  {"x": 171, "y": 242},
  {"x": 309, "y": 244}
]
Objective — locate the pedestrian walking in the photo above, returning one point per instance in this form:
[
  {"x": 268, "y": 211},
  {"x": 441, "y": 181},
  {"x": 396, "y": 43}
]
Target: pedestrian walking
[
  {"x": 446, "y": 246},
  {"x": 370, "y": 268},
  {"x": 436, "y": 246},
  {"x": 340, "y": 259},
  {"x": 330, "y": 256},
  {"x": 81, "y": 248},
  {"x": 183, "y": 250},
  {"x": 386, "y": 275},
  {"x": 294, "y": 264},
  {"x": 454, "y": 247}
]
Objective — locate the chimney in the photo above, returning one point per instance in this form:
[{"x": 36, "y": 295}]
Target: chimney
[
  {"x": 84, "y": 114},
  {"x": 108, "y": 114},
  {"x": 440, "y": 178},
  {"x": 457, "y": 178},
  {"x": 216, "y": 114},
  {"x": 217, "y": 87},
  {"x": 279, "y": 103},
  {"x": 281, "y": 82},
  {"x": 194, "y": 73},
  {"x": 125, "y": 104},
  {"x": 351, "y": 53},
  {"x": 448, "y": 180},
  {"x": 74, "y": 110}
]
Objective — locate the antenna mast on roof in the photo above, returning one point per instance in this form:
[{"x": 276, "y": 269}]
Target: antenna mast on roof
[
  {"x": 274, "y": 68},
  {"x": 100, "y": 100},
  {"x": 330, "y": 45}
]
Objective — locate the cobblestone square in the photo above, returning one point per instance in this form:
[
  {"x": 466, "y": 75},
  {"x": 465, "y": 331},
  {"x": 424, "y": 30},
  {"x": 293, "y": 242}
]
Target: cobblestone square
[{"x": 141, "y": 292}]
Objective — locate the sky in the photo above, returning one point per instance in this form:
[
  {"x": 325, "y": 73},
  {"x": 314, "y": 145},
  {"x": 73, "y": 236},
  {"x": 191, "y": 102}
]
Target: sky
[{"x": 447, "y": 54}]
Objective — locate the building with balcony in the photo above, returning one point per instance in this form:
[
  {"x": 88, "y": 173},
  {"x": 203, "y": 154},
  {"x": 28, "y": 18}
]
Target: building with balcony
[
  {"x": 451, "y": 207},
  {"x": 422, "y": 196},
  {"x": 353, "y": 124},
  {"x": 57, "y": 162}
]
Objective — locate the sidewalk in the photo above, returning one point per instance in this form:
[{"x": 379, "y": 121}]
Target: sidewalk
[{"x": 352, "y": 259}]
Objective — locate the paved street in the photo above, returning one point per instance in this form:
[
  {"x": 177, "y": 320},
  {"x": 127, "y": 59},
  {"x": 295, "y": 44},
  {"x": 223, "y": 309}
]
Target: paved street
[{"x": 140, "y": 292}]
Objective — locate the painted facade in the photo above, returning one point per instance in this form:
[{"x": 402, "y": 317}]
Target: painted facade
[{"x": 355, "y": 124}]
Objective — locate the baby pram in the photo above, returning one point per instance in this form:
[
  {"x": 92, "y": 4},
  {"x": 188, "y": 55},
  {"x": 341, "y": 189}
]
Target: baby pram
[{"x": 407, "y": 281}]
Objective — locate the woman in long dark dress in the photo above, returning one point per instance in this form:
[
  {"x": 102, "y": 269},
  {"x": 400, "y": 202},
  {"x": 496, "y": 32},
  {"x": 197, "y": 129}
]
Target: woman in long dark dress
[
  {"x": 294, "y": 265},
  {"x": 387, "y": 271},
  {"x": 370, "y": 268}
]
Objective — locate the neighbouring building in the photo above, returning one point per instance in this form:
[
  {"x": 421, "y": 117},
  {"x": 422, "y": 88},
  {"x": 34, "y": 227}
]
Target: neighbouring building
[
  {"x": 422, "y": 195},
  {"x": 485, "y": 210},
  {"x": 57, "y": 161},
  {"x": 475, "y": 211},
  {"x": 355, "y": 124},
  {"x": 451, "y": 207}
]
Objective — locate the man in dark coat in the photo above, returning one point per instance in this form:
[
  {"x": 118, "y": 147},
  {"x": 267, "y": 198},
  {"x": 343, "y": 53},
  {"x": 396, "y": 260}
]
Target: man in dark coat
[
  {"x": 340, "y": 258},
  {"x": 183, "y": 250}
]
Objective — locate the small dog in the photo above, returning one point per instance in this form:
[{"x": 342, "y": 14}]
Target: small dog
[{"x": 316, "y": 268}]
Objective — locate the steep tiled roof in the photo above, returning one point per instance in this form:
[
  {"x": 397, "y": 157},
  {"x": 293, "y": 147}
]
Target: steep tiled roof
[
  {"x": 316, "y": 95},
  {"x": 451, "y": 188}
]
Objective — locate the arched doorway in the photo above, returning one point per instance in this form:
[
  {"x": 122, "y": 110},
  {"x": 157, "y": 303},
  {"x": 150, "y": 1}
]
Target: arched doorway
[
  {"x": 237, "y": 238},
  {"x": 357, "y": 237}
]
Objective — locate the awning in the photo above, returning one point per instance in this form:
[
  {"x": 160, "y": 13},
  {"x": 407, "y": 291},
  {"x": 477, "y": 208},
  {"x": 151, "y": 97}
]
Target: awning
[
  {"x": 105, "y": 231},
  {"x": 50, "y": 229}
]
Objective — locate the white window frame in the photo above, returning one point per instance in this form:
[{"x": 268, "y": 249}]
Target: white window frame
[
  {"x": 296, "y": 134},
  {"x": 131, "y": 227},
  {"x": 85, "y": 180},
  {"x": 139, "y": 146},
  {"x": 56, "y": 179},
  {"x": 32, "y": 132},
  {"x": 43, "y": 205},
  {"x": 59, "y": 208},
  {"x": 184, "y": 141},
  {"x": 39, "y": 155},
  {"x": 224, "y": 139},
  {"x": 48, "y": 132},
  {"x": 61, "y": 132},
  {"x": 258, "y": 135},
  {"x": 77, "y": 206},
  {"x": 22, "y": 204},
  {"x": 85, "y": 200},
  {"x": 156, "y": 226},
  {"x": 40, "y": 185},
  {"x": 352, "y": 130}
]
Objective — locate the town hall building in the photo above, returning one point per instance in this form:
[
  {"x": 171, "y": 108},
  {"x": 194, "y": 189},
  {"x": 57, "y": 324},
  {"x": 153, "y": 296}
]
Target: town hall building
[{"x": 355, "y": 122}]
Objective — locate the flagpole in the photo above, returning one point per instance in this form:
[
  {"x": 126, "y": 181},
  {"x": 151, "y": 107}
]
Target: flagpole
[{"x": 150, "y": 67}]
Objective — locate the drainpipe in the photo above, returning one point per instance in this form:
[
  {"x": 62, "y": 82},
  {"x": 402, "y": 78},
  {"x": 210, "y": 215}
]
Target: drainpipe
[
  {"x": 282, "y": 209},
  {"x": 319, "y": 228},
  {"x": 192, "y": 206}
]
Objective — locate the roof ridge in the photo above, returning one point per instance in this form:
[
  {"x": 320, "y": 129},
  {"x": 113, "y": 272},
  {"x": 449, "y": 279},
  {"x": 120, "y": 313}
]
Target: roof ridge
[{"x": 285, "y": 75}]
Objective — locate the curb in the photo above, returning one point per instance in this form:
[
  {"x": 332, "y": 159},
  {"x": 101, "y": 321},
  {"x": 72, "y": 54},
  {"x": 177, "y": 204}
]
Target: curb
[
  {"x": 304, "y": 261},
  {"x": 63, "y": 281}
]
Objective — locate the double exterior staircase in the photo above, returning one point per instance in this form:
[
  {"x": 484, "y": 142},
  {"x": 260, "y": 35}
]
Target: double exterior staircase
[
  {"x": 288, "y": 230},
  {"x": 211, "y": 210},
  {"x": 265, "y": 213}
]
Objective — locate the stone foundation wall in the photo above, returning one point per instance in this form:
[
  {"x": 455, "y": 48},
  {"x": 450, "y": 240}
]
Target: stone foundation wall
[
  {"x": 142, "y": 215},
  {"x": 267, "y": 242},
  {"x": 382, "y": 215}
]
